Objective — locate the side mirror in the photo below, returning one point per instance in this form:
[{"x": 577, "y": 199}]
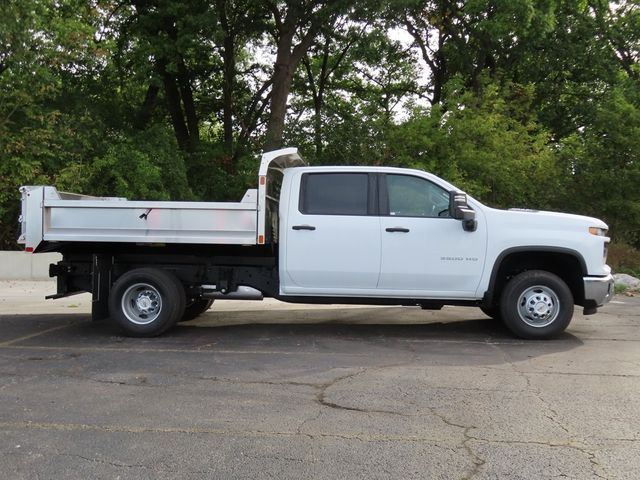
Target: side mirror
[{"x": 460, "y": 210}]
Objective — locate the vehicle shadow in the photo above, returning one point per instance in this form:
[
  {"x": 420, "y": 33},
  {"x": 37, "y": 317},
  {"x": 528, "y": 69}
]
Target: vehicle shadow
[{"x": 445, "y": 338}]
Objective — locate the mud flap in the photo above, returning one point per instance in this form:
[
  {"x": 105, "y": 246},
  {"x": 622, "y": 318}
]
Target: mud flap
[{"x": 100, "y": 286}]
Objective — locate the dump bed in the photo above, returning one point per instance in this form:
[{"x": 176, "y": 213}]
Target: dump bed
[{"x": 52, "y": 216}]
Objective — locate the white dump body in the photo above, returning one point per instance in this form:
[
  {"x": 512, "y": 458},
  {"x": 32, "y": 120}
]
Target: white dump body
[{"x": 53, "y": 216}]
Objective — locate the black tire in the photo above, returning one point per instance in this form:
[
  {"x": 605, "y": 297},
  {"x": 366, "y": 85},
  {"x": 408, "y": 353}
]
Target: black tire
[
  {"x": 536, "y": 305},
  {"x": 196, "y": 307},
  {"x": 146, "y": 302}
]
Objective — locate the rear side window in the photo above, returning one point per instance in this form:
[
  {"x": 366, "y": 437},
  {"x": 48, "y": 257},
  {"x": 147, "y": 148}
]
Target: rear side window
[{"x": 334, "y": 193}]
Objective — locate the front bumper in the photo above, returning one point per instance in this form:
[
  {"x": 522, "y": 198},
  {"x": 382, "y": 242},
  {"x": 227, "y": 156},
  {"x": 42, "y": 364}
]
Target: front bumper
[{"x": 598, "y": 291}]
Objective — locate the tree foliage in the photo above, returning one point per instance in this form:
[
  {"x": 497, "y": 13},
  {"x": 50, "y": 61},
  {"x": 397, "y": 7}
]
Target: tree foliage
[{"x": 520, "y": 102}]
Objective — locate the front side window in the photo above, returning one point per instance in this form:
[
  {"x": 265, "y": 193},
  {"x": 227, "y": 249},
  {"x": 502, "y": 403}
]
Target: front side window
[
  {"x": 334, "y": 193},
  {"x": 411, "y": 196}
]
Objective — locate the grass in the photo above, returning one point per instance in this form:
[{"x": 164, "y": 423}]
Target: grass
[{"x": 619, "y": 289}]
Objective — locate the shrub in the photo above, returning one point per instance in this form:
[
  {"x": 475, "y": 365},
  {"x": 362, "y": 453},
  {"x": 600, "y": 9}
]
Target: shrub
[{"x": 623, "y": 258}]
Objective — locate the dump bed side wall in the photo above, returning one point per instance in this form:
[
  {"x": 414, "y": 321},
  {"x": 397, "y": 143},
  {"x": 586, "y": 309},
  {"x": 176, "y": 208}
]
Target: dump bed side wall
[
  {"x": 149, "y": 222},
  {"x": 46, "y": 216}
]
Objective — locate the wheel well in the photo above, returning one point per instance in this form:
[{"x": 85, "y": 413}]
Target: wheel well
[{"x": 565, "y": 265}]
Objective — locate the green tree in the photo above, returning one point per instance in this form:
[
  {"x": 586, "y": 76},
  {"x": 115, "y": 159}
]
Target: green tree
[
  {"x": 521, "y": 102},
  {"x": 490, "y": 145},
  {"x": 604, "y": 163}
]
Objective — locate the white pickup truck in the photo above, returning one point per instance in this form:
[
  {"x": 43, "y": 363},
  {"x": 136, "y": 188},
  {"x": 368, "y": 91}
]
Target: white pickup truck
[{"x": 366, "y": 235}]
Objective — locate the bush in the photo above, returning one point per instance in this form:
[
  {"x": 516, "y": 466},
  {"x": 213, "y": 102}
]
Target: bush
[
  {"x": 142, "y": 165},
  {"x": 214, "y": 176},
  {"x": 624, "y": 258}
]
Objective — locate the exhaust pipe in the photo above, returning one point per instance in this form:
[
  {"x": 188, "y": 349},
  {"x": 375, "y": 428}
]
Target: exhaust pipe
[{"x": 242, "y": 293}]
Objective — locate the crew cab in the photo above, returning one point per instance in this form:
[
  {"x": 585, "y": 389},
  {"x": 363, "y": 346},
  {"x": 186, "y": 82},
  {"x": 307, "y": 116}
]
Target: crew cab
[{"x": 364, "y": 235}]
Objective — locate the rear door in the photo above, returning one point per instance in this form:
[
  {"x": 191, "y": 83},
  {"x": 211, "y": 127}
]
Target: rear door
[{"x": 332, "y": 230}]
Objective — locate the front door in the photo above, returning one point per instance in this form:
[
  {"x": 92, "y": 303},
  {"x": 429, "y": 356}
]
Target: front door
[{"x": 425, "y": 252}]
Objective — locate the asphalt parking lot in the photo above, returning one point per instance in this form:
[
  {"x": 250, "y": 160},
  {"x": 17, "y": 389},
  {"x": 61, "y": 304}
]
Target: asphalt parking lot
[{"x": 267, "y": 390}]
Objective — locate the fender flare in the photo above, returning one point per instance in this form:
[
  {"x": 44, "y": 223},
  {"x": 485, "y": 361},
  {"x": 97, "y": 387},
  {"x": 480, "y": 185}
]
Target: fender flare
[{"x": 487, "y": 299}]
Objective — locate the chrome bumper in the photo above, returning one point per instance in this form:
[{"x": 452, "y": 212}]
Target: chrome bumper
[{"x": 598, "y": 290}]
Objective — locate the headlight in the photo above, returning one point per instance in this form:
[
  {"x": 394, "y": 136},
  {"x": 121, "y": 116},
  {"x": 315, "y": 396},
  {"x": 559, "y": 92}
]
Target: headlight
[{"x": 600, "y": 232}]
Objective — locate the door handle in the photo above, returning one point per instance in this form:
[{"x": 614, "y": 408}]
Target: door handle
[
  {"x": 398, "y": 229},
  {"x": 303, "y": 227}
]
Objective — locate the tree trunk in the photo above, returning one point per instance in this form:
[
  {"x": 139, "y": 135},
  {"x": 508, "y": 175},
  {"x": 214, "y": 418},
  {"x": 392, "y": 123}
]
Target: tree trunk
[
  {"x": 282, "y": 78},
  {"x": 147, "y": 108},
  {"x": 172, "y": 95},
  {"x": 287, "y": 60},
  {"x": 186, "y": 94},
  {"x": 229, "y": 72},
  {"x": 227, "y": 93},
  {"x": 317, "y": 128},
  {"x": 439, "y": 78}
]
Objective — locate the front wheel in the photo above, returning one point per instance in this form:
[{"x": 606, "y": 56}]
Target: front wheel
[
  {"x": 145, "y": 302},
  {"x": 536, "y": 304}
]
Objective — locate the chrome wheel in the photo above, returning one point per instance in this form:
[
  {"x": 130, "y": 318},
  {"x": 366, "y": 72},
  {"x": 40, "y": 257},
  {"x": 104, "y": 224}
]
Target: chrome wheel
[
  {"x": 538, "y": 306},
  {"x": 141, "y": 303}
]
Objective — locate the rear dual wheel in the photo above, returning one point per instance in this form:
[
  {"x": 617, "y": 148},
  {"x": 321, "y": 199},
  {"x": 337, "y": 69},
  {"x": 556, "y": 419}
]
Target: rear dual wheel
[
  {"x": 146, "y": 302},
  {"x": 195, "y": 307}
]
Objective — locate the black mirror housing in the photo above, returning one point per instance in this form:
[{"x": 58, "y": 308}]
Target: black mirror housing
[
  {"x": 460, "y": 210},
  {"x": 458, "y": 206}
]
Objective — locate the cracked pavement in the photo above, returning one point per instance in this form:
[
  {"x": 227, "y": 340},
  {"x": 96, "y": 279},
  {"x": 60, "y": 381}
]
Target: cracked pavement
[{"x": 268, "y": 390}]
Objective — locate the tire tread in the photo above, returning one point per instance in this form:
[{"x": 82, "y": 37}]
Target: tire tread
[
  {"x": 512, "y": 292},
  {"x": 168, "y": 285}
]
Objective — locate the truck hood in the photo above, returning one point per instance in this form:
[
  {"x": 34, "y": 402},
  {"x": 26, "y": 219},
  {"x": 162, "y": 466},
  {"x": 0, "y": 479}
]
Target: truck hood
[{"x": 543, "y": 218}]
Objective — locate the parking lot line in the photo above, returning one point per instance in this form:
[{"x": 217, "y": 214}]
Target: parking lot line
[
  {"x": 33, "y": 335},
  {"x": 212, "y": 431}
]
